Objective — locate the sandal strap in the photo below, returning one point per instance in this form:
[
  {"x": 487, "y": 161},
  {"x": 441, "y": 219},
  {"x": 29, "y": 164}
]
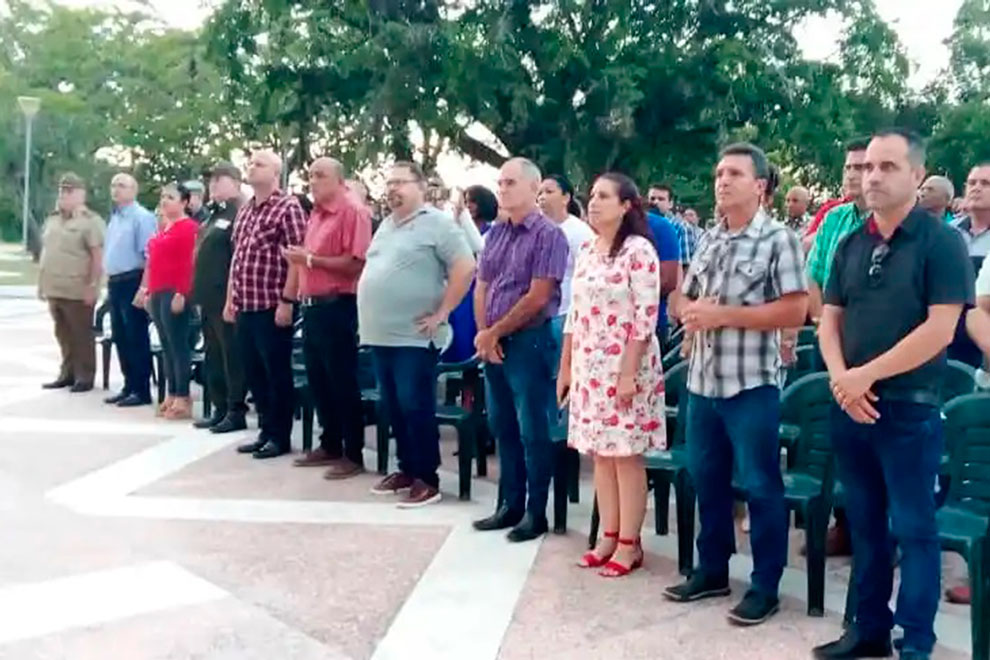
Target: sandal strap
[
  {"x": 611, "y": 535},
  {"x": 634, "y": 541}
]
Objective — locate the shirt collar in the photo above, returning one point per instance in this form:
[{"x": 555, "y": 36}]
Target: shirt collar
[
  {"x": 530, "y": 220},
  {"x": 334, "y": 206},
  {"x": 276, "y": 195},
  {"x": 910, "y": 225},
  {"x": 753, "y": 228},
  {"x": 402, "y": 221}
]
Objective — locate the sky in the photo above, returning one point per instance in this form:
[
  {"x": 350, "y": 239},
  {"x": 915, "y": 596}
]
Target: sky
[{"x": 922, "y": 25}]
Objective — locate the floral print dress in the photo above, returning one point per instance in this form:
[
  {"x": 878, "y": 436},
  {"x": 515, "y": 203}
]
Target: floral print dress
[{"x": 615, "y": 301}]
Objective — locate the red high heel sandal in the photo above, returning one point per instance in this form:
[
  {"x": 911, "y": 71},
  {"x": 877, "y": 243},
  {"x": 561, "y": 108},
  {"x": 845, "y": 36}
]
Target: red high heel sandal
[
  {"x": 591, "y": 560},
  {"x": 613, "y": 569}
]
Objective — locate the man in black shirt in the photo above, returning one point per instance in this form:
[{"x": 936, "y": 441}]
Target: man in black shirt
[
  {"x": 224, "y": 371},
  {"x": 897, "y": 287}
]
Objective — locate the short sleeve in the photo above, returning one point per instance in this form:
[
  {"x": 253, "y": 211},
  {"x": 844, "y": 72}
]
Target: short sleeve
[
  {"x": 691, "y": 284},
  {"x": 666, "y": 240},
  {"x": 550, "y": 254},
  {"x": 948, "y": 270},
  {"x": 95, "y": 232},
  {"x": 788, "y": 269},
  {"x": 644, "y": 287},
  {"x": 816, "y": 264},
  {"x": 293, "y": 223},
  {"x": 833, "y": 293},
  {"x": 983, "y": 279},
  {"x": 450, "y": 243},
  {"x": 358, "y": 237},
  {"x": 147, "y": 226}
]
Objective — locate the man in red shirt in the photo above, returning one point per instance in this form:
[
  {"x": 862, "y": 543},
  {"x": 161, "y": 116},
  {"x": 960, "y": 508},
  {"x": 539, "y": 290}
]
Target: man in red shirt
[
  {"x": 260, "y": 299},
  {"x": 328, "y": 264}
]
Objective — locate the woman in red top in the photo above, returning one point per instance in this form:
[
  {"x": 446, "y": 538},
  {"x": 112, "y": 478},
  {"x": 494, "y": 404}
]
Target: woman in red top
[{"x": 167, "y": 282}]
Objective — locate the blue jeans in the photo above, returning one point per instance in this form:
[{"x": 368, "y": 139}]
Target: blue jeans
[
  {"x": 887, "y": 470},
  {"x": 740, "y": 430},
  {"x": 173, "y": 334},
  {"x": 518, "y": 414},
  {"x": 407, "y": 385}
]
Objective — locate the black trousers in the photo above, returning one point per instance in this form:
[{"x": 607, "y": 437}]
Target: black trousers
[
  {"x": 331, "y": 353},
  {"x": 266, "y": 350},
  {"x": 224, "y": 365},
  {"x": 130, "y": 333},
  {"x": 173, "y": 333}
]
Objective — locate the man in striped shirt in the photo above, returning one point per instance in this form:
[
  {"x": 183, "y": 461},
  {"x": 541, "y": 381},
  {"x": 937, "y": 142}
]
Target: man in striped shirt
[{"x": 746, "y": 282}]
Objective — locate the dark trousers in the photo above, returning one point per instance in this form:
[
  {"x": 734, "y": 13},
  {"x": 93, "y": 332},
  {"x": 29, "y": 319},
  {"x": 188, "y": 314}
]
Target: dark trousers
[
  {"x": 130, "y": 333},
  {"x": 888, "y": 471},
  {"x": 74, "y": 332},
  {"x": 173, "y": 334},
  {"x": 331, "y": 353},
  {"x": 519, "y": 416},
  {"x": 741, "y": 430},
  {"x": 267, "y": 353},
  {"x": 224, "y": 365},
  {"x": 407, "y": 383}
]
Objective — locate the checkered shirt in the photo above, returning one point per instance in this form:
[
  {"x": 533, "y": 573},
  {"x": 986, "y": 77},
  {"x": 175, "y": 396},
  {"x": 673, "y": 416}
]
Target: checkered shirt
[
  {"x": 260, "y": 232},
  {"x": 687, "y": 238},
  {"x": 754, "y": 266}
]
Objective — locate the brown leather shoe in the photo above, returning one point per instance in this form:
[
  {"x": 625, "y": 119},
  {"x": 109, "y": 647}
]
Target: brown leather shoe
[
  {"x": 393, "y": 484},
  {"x": 319, "y": 457},
  {"x": 837, "y": 541},
  {"x": 420, "y": 494},
  {"x": 959, "y": 594},
  {"x": 343, "y": 469}
]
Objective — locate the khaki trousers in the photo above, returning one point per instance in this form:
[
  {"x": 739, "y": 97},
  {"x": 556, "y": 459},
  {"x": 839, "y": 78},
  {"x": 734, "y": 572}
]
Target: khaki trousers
[{"x": 74, "y": 332}]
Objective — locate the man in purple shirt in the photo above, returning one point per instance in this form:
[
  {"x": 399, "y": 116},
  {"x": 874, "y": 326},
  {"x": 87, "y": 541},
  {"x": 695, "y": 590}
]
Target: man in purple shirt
[{"x": 516, "y": 295}]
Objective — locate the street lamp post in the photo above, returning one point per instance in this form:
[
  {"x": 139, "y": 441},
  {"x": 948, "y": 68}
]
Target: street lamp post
[{"x": 29, "y": 106}]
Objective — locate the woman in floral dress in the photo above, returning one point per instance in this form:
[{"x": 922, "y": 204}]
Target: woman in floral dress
[{"x": 610, "y": 369}]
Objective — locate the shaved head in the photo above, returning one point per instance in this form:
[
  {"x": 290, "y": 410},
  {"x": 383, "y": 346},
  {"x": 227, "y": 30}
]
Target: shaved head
[
  {"x": 797, "y": 201},
  {"x": 264, "y": 169},
  {"x": 326, "y": 179}
]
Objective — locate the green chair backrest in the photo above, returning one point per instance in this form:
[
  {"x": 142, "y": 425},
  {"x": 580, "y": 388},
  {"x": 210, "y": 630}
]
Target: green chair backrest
[
  {"x": 967, "y": 431},
  {"x": 807, "y": 336},
  {"x": 807, "y": 362},
  {"x": 671, "y": 358},
  {"x": 675, "y": 395},
  {"x": 806, "y": 404},
  {"x": 960, "y": 378}
]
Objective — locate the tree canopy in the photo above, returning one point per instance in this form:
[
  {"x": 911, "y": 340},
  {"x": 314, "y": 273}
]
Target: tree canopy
[{"x": 580, "y": 86}]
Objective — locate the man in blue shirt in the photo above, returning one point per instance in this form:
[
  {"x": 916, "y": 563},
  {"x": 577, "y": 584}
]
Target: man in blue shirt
[
  {"x": 124, "y": 256},
  {"x": 666, "y": 242}
]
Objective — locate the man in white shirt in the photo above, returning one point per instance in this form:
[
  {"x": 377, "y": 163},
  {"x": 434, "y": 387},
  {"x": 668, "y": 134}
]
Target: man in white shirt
[{"x": 556, "y": 200}]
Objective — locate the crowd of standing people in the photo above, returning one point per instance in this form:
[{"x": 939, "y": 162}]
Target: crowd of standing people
[{"x": 567, "y": 308}]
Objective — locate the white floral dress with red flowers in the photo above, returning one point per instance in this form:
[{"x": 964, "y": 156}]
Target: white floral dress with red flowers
[{"x": 615, "y": 301}]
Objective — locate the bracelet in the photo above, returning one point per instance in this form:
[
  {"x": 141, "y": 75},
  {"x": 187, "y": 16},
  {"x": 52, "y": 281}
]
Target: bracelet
[
  {"x": 287, "y": 301},
  {"x": 309, "y": 260}
]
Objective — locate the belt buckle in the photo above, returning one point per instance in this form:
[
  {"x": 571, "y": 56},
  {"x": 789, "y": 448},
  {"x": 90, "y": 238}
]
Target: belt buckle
[{"x": 307, "y": 301}]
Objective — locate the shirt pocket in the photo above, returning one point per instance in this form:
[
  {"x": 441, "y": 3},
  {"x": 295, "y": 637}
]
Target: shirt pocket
[
  {"x": 71, "y": 239},
  {"x": 747, "y": 283}
]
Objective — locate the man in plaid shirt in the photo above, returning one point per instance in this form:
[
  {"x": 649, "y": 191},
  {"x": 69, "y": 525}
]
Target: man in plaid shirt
[
  {"x": 260, "y": 299},
  {"x": 745, "y": 284}
]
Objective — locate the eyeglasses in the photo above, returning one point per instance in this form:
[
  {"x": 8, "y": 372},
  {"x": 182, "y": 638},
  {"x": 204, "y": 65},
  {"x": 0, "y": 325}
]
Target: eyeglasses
[
  {"x": 880, "y": 252},
  {"x": 394, "y": 183}
]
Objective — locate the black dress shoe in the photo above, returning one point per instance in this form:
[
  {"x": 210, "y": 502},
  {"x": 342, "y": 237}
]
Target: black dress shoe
[
  {"x": 133, "y": 401},
  {"x": 850, "y": 646},
  {"x": 270, "y": 450},
  {"x": 58, "y": 384},
  {"x": 81, "y": 387},
  {"x": 504, "y": 518},
  {"x": 528, "y": 529},
  {"x": 252, "y": 447},
  {"x": 231, "y": 422},
  {"x": 211, "y": 421},
  {"x": 116, "y": 398}
]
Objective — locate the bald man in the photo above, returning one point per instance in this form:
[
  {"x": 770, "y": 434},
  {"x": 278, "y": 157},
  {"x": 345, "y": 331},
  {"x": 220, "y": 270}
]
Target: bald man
[
  {"x": 935, "y": 196},
  {"x": 516, "y": 296},
  {"x": 261, "y": 298},
  {"x": 328, "y": 265},
  {"x": 124, "y": 256},
  {"x": 796, "y": 206}
]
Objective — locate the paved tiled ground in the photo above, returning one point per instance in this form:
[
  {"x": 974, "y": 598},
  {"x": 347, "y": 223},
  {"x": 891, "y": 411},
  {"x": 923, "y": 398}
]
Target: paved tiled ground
[{"x": 167, "y": 544}]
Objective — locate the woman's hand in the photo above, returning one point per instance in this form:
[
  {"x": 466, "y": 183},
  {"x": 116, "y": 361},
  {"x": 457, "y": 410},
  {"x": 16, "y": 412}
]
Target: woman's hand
[
  {"x": 625, "y": 390},
  {"x": 178, "y": 303},
  {"x": 141, "y": 298},
  {"x": 563, "y": 388}
]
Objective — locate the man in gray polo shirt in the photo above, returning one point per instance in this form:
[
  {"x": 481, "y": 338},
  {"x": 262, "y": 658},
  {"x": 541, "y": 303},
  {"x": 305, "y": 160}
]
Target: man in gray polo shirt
[{"x": 417, "y": 270}]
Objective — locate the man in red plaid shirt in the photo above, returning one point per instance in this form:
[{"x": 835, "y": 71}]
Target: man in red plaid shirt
[{"x": 261, "y": 297}]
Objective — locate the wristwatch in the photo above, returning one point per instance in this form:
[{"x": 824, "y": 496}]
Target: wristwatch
[
  {"x": 287, "y": 301},
  {"x": 309, "y": 260}
]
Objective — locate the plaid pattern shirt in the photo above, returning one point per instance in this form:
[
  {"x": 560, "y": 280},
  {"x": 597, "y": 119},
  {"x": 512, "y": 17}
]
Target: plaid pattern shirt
[
  {"x": 757, "y": 265},
  {"x": 687, "y": 238},
  {"x": 261, "y": 230}
]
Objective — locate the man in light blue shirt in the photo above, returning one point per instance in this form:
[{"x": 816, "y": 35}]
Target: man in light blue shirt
[{"x": 131, "y": 226}]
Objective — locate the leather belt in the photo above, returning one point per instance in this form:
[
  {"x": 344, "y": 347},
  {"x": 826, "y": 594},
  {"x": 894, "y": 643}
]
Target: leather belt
[
  {"x": 314, "y": 301},
  {"x": 129, "y": 275}
]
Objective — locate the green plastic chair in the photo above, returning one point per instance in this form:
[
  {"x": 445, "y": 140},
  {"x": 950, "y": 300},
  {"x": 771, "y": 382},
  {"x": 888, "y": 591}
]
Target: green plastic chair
[
  {"x": 964, "y": 521},
  {"x": 960, "y": 379},
  {"x": 671, "y": 359},
  {"x": 809, "y": 480},
  {"x": 808, "y": 336},
  {"x": 807, "y": 361}
]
